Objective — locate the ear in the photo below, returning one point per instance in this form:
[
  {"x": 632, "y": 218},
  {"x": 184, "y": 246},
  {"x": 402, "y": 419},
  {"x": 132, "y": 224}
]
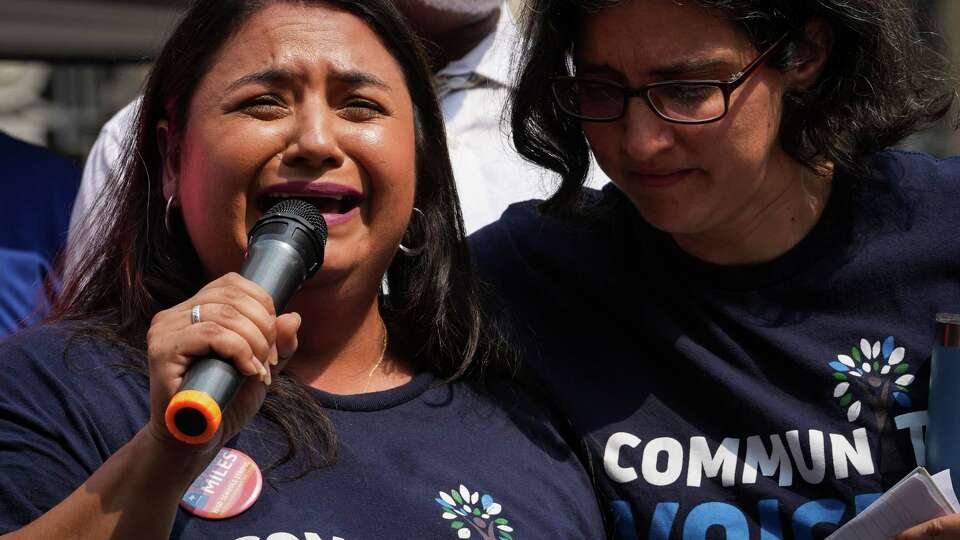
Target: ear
[
  {"x": 814, "y": 51},
  {"x": 169, "y": 146}
]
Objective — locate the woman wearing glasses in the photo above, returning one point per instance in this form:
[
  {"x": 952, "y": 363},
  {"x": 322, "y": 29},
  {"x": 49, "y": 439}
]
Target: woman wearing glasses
[{"x": 740, "y": 324}]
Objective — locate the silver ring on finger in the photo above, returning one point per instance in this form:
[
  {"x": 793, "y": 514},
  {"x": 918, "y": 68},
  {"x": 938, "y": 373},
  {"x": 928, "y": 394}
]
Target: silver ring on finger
[{"x": 195, "y": 314}]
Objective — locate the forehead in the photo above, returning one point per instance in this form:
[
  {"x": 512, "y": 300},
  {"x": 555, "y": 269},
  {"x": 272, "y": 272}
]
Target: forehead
[
  {"x": 646, "y": 34},
  {"x": 307, "y": 40}
]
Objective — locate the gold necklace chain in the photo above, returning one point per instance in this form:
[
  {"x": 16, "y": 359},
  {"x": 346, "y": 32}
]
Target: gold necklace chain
[{"x": 383, "y": 351}]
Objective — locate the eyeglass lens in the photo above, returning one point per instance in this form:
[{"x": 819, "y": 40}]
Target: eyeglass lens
[
  {"x": 688, "y": 102},
  {"x": 603, "y": 101}
]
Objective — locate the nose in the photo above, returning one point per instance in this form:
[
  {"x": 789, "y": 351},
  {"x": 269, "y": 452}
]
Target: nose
[
  {"x": 314, "y": 142},
  {"x": 645, "y": 135}
]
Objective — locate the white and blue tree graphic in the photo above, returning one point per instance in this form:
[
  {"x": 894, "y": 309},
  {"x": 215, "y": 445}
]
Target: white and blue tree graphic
[
  {"x": 470, "y": 512},
  {"x": 873, "y": 376}
]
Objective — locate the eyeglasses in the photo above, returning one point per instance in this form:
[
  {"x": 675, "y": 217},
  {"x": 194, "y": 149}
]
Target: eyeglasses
[{"x": 681, "y": 102}]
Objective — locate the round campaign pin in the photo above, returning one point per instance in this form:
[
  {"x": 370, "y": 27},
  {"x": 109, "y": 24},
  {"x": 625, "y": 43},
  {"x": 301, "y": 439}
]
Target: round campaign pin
[{"x": 229, "y": 485}]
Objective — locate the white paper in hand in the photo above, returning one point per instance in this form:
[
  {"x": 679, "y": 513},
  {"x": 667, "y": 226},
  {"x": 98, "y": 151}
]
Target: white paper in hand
[{"x": 917, "y": 498}]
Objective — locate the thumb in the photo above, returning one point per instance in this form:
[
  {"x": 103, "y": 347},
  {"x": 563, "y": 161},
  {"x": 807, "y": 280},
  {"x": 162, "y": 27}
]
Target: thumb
[
  {"x": 288, "y": 325},
  {"x": 946, "y": 527}
]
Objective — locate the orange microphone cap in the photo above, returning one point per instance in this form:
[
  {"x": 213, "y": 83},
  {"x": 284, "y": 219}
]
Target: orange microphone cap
[{"x": 192, "y": 416}]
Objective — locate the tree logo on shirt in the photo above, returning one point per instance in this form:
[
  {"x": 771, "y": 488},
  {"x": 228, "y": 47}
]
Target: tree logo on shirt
[
  {"x": 469, "y": 512},
  {"x": 872, "y": 375}
]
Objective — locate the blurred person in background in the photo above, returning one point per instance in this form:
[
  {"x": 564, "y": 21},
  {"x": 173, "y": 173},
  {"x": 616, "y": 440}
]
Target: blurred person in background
[
  {"x": 38, "y": 190},
  {"x": 24, "y": 113}
]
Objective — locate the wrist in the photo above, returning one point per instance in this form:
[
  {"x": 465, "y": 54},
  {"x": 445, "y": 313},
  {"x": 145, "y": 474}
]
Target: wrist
[{"x": 167, "y": 461}]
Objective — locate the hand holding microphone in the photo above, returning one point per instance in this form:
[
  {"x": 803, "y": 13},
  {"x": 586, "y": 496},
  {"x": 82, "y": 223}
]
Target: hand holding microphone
[{"x": 236, "y": 323}]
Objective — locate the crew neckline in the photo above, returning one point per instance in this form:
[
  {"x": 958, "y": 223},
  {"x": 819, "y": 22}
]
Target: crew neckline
[{"x": 376, "y": 401}]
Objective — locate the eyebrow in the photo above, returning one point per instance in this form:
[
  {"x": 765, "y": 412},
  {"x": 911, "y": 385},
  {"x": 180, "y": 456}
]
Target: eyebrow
[
  {"x": 686, "y": 67},
  {"x": 269, "y": 76},
  {"x": 359, "y": 78},
  {"x": 276, "y": 75},
  {"x": 676, "y": 70}
]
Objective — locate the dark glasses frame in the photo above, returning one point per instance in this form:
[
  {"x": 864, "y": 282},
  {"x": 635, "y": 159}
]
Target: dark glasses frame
[{"x": 726, "y": 87}]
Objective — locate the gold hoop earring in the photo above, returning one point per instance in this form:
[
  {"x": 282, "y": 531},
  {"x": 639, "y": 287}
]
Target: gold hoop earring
[
  {"x": 414, "y": 251},
  {"x": 166, "y": 213}
]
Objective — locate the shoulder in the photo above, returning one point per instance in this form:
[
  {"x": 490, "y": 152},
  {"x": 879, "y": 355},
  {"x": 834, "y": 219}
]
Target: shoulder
[
  {"x": 913, "y": 191},
  {"x": 65, "y": 347},
  {"x": 21, "y": 150},
  {"x": 22, "y": 158},
  {"x": 64, "y": 374},
  {"x": 123, "y": 121},
  {"x": 43, "y": 345},
  {"x": 526, "y": 241},
  {"x": 523, "y": 225},
  {"x": 64, "y": 409},
  {"x": 914, "y": 170}
]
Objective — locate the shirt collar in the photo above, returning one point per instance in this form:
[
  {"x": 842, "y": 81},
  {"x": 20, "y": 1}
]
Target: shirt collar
[{"x": 492, "y": 57}]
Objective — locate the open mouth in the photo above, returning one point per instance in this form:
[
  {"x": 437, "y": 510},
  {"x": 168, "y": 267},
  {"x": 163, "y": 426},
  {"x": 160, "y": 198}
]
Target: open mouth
[{"x": 340, "y": 203}]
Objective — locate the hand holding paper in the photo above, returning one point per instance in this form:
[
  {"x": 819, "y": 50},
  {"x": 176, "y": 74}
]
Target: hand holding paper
[{"x": 915, "y": 500}]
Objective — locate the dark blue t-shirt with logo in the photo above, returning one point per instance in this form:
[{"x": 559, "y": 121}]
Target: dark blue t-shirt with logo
[
  {"x": 761, "y": 402},
  {"x": 424, "y": 460}
]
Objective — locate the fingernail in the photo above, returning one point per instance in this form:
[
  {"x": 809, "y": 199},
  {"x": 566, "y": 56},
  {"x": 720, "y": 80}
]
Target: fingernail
[{"x": 274, "y": 355}]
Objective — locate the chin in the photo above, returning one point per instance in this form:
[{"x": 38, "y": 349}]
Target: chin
[
  {"x": 666, "y": 214},
  {"x": 330, "y": 273},
  {"x": 667, "y": 221}
]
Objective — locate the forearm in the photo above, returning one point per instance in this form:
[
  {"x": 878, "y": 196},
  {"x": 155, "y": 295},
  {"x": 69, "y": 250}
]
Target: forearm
[{"x": 134, "y": 494}]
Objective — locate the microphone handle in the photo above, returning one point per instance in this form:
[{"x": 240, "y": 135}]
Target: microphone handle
[{"x": 195, "y": 411}]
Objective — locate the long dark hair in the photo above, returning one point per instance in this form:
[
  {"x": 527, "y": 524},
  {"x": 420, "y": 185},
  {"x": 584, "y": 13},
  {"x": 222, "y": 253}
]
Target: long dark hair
[
  {"x": 131, "y": 267},
  {"x": 882, "y": 82}
]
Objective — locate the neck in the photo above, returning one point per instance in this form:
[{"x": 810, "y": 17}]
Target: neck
[
  {"x": 450, "y": 38},
  {"x": 339, "y": 349},
  {"x": 779, "y": 218}
]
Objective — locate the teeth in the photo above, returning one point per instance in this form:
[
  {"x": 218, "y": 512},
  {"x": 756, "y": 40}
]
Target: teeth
[{"x": 305, "y": 196}]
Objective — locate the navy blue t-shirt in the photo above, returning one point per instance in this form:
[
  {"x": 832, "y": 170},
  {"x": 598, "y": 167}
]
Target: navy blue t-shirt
[
  {"x": 774, "y": 400},
  {"x": 38, "y": 191},
  {"x": 22, "y": 298},
  {"x": 415, "y": 461}
]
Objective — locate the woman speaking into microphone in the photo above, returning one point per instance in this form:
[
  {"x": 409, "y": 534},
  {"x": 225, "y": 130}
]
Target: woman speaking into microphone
[{"x": 361, "y": 413}]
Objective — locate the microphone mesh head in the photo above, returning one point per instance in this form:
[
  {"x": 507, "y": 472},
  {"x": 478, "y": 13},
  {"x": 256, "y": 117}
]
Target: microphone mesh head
[{"x": 303, "y": 210}]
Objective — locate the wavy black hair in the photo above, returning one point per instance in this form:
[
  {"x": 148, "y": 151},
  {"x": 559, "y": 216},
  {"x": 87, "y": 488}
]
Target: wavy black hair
[
  {"x": 883, "y": 81},
  {"x": 131, "y": 267}
]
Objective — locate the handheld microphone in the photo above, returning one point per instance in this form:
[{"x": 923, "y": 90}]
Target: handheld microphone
[{"x": 285, "y": 249}]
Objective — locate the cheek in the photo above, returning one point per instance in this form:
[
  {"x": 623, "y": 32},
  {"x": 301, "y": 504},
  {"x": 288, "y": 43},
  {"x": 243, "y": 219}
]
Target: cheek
[
  {"x": 388, "y": 157},
  {"x": 599, "y": 136},
  {"x": 751, "y": 133},
  {"x": 604, "y": 142},
  {"x": 210, "y": 185},
  {"x": 215, "y": 176},
  {"x": 736, "y": 149},
  {"x": 225, "y": 158}
]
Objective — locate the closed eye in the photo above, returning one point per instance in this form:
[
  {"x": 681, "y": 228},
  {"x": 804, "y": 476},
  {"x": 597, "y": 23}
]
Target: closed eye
[
  {"x": 360, "y": 110},
  {"x": 267, "y": 106}
]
